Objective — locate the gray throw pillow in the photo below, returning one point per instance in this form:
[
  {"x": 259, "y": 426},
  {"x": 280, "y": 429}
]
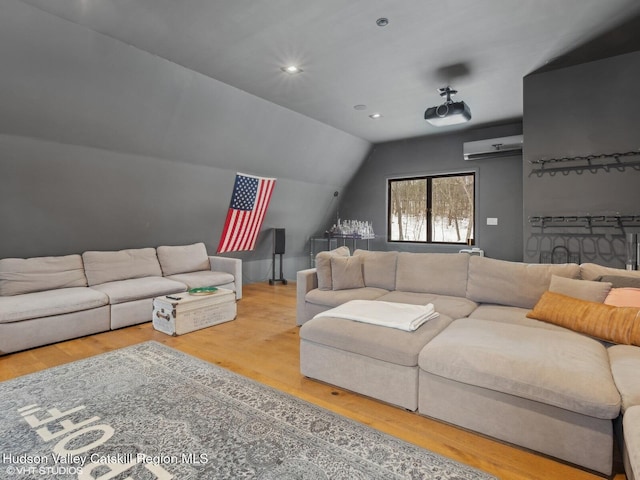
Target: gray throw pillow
[
  {"x": 323, "y": 266},
  {"x": 346, "y": 273},
  {"x": 621, "y": 281},
  {"x": 583, "y": 289}
]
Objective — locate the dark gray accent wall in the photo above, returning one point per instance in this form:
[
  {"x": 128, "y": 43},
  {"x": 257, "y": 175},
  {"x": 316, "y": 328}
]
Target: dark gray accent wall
[
  {"x": 498, "y": 188},
  {"x": 587, "y": 109},
  {"x": 104, "y": 147}
]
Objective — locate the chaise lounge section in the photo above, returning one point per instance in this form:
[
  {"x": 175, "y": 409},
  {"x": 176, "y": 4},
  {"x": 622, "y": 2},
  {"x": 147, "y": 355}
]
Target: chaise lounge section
[{"x": 520, "y": 383}]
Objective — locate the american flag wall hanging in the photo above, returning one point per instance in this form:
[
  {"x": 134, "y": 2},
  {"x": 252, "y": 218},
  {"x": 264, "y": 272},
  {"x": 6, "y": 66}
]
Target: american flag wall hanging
[{"x": 249, "y": 202}]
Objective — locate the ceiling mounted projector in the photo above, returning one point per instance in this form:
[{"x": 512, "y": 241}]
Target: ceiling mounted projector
[{"x": 450, "y": 112}]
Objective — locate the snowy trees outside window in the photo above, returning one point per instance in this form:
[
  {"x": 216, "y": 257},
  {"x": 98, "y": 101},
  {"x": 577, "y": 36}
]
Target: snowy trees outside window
[{"x": 432, "y": 209}]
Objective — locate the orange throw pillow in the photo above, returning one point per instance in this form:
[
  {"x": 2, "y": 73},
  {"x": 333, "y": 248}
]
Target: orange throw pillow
[{"x": 606, "y": 322}]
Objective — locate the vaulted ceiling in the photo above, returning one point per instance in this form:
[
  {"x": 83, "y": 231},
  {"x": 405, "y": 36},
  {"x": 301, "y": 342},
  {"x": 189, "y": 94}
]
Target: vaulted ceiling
[{"x": 481, "y": 48}]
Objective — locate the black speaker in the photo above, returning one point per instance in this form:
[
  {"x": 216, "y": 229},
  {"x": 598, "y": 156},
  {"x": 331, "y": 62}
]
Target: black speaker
[{"x": 278, "y": 241}]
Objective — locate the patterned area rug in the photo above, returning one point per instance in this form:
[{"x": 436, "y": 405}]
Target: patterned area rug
[{"x": 149, "y": 411}]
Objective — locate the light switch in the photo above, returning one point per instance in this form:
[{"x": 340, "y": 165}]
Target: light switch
[{"x": 492, "y": 221}]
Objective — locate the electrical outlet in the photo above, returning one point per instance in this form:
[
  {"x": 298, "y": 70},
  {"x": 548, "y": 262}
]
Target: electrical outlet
[{"x": 492, "y": 221}]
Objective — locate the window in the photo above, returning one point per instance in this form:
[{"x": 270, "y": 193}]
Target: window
[{"x": 431, "y": 209}]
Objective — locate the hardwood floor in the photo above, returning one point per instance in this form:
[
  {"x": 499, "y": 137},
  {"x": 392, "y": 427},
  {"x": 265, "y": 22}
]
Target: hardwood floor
[{"x": 263, "y": 344}]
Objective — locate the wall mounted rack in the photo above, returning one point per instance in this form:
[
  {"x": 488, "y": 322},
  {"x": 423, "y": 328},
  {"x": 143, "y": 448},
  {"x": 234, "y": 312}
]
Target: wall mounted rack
[
  {"x": 586, "y": 221},
  {"x": 559, "y": 254},
  {"x": 591, "y": 163}
]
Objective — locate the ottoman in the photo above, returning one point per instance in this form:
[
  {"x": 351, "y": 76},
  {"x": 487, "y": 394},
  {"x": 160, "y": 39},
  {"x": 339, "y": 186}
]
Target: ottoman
[
  {"x": 547, "y": 390},
  {"x": 376, "y": 361}
]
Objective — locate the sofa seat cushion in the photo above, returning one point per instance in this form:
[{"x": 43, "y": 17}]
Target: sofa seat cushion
[
  {"x": 48, "y": 303},
  {"x": 138, "y": 288},
  {"x": 333, "y": 298},
  {"x": 204, "y": 278},
  {"x": 382, "y": 343},
  {"x": 514, "y": 315},
  {"x": 454, "y": 307},
  {"x": 551, "y": 367},
  {"x": 625, "y": 365}
]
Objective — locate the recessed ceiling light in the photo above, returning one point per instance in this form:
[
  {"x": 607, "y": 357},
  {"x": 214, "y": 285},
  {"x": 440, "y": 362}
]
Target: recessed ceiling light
[
  {"x": 291, "y": 69},
  {"x": 375, "y": 115},
  {"x": 360, "y": 107},
  {"x": 382, "y": 22}
]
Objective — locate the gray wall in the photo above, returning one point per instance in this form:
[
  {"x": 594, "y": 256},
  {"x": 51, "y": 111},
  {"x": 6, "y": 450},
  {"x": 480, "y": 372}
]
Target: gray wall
[
  {"x": 593, "y": 108},
  {"x": 498, "y": 188},
  {"x": 104, "y": 146}
]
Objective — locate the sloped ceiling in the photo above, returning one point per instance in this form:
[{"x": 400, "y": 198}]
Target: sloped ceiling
[
  {"x": 481, "y": 48},
  {"x": 65, "y": 83}
]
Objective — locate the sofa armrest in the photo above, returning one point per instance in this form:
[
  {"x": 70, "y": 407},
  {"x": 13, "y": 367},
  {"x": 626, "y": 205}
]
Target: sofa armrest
[
  {"x": 306, "y": 280},
  {"x": 631, "y": 444},
  {"x": 229, "y": 265},
  {"x": 625, "y": 365}
]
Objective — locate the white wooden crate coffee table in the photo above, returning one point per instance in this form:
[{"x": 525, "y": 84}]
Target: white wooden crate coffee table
[{"x": 181, "y": 313}]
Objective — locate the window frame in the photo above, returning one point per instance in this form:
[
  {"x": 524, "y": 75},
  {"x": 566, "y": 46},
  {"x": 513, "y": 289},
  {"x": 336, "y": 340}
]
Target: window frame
[{"x": 428, "y": 177}]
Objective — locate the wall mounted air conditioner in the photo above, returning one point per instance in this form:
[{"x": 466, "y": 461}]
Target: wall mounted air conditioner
[{"x": 493, "y": 148}]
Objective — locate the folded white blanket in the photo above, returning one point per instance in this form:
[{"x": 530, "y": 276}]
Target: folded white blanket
[{"x": 402, "y": 316}]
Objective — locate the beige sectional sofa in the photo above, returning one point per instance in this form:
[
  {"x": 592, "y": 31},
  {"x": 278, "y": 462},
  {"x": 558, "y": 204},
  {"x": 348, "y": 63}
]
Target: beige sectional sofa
[
  {"x": 483, "y": 364},
  {"x": 45, "y": 300}
]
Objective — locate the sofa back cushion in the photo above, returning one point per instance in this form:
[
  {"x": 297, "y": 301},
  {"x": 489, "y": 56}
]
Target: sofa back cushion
[
  {"x": 183, "y": 258},
  {"x": 621, "y": 281},
  {"x": 439, "y": 273},
  {"x": 379, "y": 268},
  {"x": 28, "y": 275},
  {"x": 323, "y": 266},
  {"x": 346, "y": 273},
  {"x": 103, "y": 267},
  {"x": 512, "y": 283},
  {"x": 582, "y": 289},
  {"x": 593, "y": 271}
]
